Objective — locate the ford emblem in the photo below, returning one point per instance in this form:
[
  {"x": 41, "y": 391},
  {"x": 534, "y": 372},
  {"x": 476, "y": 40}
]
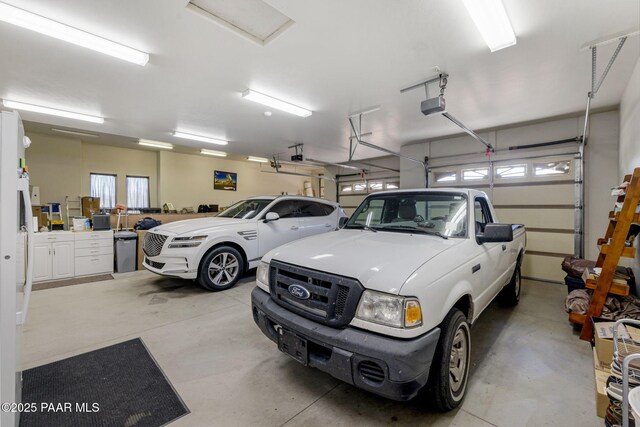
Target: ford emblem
[{"x": 299, "y": 292}]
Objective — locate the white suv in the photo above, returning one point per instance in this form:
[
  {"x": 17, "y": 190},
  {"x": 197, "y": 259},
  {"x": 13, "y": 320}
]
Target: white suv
[{"x": 218, "y": 250}]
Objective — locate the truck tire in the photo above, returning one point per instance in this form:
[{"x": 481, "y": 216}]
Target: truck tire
[
  {"x": 220, "y": 269},
  {"x": 510, "y": 295},
  {"x": 450, "y": 365}
]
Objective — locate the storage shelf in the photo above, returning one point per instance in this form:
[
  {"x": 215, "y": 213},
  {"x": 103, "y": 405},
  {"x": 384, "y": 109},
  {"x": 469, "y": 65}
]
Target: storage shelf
[
  {"x": 627, "y": 252},
  {"x": 577, "y": 318},
  {"x": 615, "y": 289},
  {"x": 616, "y": 217}
]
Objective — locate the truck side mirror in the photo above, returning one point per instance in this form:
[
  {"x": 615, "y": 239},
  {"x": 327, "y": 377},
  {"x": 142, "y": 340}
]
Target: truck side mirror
[
  {"x": 271, "y": 216},
  {"x": 495, "y": 233}
]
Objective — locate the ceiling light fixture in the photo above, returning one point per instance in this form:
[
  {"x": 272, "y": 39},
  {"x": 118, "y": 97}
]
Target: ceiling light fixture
[
  {"x": 46, "y": 26},
  {"x": 213, "y": 153},
  {"x": 208, "y": 139},
  {"x": 278, "y": 104},
  {"x": 257, "y": 159},
  {"x": 76, "y": 133},
  {"x": 492, "y": 21},
  {"x": 51, "y": 111},
  {"x": 155, "y": 144}
]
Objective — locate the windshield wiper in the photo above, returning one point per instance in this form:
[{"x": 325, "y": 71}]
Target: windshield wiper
[
  {"x": 363, "y": 226},
  {"x": 413, "y": 229}
]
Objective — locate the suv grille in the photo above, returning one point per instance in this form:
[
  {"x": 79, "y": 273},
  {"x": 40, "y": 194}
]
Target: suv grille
[
  {"x": 154, "y": 264},
  {"x": 330, "y": 299},
  {"x": 153, "y": 243}
]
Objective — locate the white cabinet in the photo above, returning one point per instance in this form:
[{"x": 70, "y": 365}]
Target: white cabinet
[
  {"x": 53, "y": 256},
  {"x": 65, "y": 254},
  {"x": 93, "y": 253}
]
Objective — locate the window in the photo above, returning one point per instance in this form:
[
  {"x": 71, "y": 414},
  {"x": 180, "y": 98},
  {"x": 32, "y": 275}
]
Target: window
[
  {"x": 376, "y": 186},
  {"x": 482, "y": 214},
  {"x": 246, "y": 209},
  {"x": 444, "y": 176},
  {"x": 392, "y": 185},
  {"x": 360, "y": 186},
  {"x": 104, "y": 186},
  {"x": 346, "y": 188},
  {"x": 137, "y": 192},
  {"x": 511, "y": 171},
  {"x": 307, "y": 208},
  {"x": 552, "y": 168},
  {"x": 475, "y": 174},
  {"x": 284, "y": 209}
]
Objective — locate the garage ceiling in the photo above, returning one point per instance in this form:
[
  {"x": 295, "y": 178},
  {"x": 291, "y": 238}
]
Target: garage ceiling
[{"x": 338, "y": 57}]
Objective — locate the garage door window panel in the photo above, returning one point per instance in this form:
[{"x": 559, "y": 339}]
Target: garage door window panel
[
  {"x": 549, "y": 169},
  {"x": 510, "y": 171},
  {"x": 476, "y": 174},
  {"x": 104, "y": 186},
  {"x": 446, "y": 176}
]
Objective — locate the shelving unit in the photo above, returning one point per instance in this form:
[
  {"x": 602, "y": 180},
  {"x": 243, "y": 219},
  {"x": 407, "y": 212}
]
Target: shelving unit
[{"x": 612, "y": 248}]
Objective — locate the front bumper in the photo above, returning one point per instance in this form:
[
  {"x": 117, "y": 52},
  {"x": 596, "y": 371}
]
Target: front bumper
[
  {"x": 401, "y": 367},
  {"x": 171, "y": 266}
]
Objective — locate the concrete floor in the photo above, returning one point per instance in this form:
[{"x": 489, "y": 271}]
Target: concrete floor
[{"x": 528, "y": 366}]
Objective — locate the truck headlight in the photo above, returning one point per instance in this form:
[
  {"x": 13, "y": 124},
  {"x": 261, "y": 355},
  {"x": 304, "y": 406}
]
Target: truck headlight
[
  {"x": 389, "y": 310},
  {"x": 262, "y": 276},
  {"x": 187, "y": 242}
]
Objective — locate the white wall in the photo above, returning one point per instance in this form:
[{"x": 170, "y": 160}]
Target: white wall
[
  {"x": 629, "y": 155},
  {"x": 601, "y": 171},
  {"x": 55, "y": 165},
  {"x": 187, "y": 180}
]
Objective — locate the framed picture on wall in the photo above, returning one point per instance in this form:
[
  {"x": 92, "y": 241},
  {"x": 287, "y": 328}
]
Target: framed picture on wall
[{"x": 225, "y": 181}]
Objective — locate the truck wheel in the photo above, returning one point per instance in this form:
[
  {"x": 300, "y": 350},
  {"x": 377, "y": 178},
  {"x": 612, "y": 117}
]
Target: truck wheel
[
  {"x": 450, "y": 366},
  {"x": 220, "y": 269},
  {"x": 510, "y": 294}
]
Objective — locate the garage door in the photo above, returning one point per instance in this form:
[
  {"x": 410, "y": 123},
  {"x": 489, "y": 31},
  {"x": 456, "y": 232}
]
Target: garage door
[
  {"x": 353, "y": 190},
  {"x": 539, "y": 193}
]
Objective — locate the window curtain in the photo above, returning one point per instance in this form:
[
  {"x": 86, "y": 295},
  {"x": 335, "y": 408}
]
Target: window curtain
[
  {"x": 104, "y": 186},
  {"x": 137, "y": 192}
]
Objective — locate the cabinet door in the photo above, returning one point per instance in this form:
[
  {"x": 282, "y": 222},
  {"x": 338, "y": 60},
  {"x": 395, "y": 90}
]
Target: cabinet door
[
  {"x": 41, "y": 262},
  {"x": 63, "y": 262}
]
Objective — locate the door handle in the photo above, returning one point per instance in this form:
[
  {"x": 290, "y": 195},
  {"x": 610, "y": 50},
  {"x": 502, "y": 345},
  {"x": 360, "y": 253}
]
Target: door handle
[
  {"x": 475, "y": 268},
  {"x": 294, "y": 227},
  {"x": 504, "y": 247},
  {"x": 328, "y": 225}
]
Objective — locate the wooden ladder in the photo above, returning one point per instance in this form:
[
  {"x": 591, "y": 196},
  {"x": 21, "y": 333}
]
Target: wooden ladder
[{"x": 612, "y": 248}]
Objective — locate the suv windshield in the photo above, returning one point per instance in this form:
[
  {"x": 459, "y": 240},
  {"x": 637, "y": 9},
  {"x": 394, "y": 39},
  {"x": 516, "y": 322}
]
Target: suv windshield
[
  {"x": 442, "y": 214},
  {"x": 246, "y": 209}
]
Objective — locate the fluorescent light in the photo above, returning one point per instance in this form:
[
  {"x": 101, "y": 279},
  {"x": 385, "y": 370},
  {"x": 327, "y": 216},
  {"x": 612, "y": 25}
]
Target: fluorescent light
[
  {"x": 155, "y": 144},
  {"x": 208, "y": 139},
  {"x": 492, "y": 22},
  {"x": 257, "y": 159},
  {"x": 48, "y": 27},
  {"x": 213, "y": 153},
  {"x": 76, "y": 133},
  {"x": 51, "y": 111},
  {"x": 269, "y": 101}
]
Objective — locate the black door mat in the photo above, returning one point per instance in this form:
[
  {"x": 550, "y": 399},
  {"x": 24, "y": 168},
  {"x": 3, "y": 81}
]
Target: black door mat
[{"x": 122, "y": 382}]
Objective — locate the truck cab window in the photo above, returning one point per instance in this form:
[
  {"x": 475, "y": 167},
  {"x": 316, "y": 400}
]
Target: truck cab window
[{"x": 482, "y": 214}]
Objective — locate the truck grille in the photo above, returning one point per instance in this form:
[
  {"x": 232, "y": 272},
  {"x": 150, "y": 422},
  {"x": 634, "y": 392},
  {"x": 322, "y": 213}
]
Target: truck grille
[
  {"x": 330, "y": 299},
  {"x": 153, "y": 243}
]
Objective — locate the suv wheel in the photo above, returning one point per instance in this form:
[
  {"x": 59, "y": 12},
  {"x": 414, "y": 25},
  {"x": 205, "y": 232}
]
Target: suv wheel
[
  {"x": 220, "y": 269},
  {"x": 450, "y": 366}
]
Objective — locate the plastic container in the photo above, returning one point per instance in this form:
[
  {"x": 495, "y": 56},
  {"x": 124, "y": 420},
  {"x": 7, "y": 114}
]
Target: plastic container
[
  {"x": 573, "y": 283},
  {"x": 125, "y": 251},
  {"x": 80, "y": 224}
]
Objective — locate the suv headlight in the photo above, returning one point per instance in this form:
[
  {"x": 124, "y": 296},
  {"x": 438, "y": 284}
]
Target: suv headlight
[
  {"x": 187, "y": 242},
  {"x": 262, "y": 276},
  {"x": 389, "y": 310}
]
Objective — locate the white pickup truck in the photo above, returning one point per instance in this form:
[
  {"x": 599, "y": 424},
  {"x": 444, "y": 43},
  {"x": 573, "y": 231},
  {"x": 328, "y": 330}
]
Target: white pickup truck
[
  {"x": 218, "y": 250},
  {"x": 386, "y": 303}
]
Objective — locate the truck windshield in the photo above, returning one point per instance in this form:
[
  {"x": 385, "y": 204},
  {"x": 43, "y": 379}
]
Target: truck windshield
[
  {"x": 443, "y": 214},
  {"x": 246, "y": 209}
]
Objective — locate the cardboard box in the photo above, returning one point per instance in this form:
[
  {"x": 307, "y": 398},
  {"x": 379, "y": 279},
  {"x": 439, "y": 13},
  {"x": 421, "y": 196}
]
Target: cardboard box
[
  {"x": 598, "y": 364},
  {"x": 90, "y": 205},
  {"x": 603, "y": 337},
  {"x": 602, "y": 400}
]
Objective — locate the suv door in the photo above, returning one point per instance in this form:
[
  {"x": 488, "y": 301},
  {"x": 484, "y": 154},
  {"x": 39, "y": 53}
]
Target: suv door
[
  {"x": 315, "y": 217},
  {"x": 276, "y": 233}
]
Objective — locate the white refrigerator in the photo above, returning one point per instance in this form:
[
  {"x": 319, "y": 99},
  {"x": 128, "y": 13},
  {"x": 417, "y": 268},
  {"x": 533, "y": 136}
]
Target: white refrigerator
[{"x": 16, "y": 257}]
